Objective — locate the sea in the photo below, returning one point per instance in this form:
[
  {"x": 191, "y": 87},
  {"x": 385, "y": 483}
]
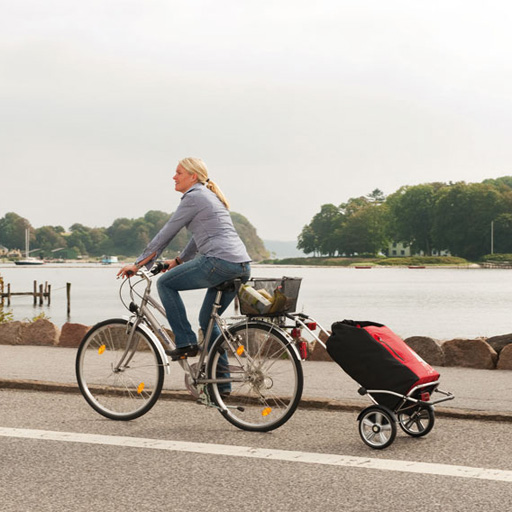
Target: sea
[{"x": 442, "y": 303}]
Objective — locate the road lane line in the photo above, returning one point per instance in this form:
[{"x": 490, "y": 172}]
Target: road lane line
[{"x": 426, "y": 468}]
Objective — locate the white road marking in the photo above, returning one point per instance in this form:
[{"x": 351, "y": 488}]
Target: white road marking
[{"x": 425, "y": 468}]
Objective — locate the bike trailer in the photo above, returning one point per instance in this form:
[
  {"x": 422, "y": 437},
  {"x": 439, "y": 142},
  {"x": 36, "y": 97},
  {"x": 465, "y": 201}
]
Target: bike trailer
[{"x": 378, "y": 359}]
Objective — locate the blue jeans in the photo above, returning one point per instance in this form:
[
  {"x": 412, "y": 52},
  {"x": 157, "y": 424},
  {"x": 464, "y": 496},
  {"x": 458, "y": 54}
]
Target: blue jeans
[{"x": 201, "y": 272}]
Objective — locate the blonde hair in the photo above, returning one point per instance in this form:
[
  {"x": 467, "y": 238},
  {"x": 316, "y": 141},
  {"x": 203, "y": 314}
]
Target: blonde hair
[{"x": 198, "y": 167}]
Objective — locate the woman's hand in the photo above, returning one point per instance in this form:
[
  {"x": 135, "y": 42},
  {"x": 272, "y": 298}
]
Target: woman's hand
[
  {"x": 128, "y": 271},
  {"x": 169, "y": 264}
]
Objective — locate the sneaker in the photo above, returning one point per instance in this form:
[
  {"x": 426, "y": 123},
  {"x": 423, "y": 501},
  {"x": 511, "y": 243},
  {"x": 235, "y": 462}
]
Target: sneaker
[{"x": 183, "y": 352}]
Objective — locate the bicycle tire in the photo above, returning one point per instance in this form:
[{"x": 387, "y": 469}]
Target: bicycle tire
[
  {"x": 123, "y": 393},
  {"x": 265, "y": 376}
]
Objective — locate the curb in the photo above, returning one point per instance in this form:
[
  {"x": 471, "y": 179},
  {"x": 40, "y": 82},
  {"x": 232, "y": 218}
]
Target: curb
[{"x": 305, "y": 403}]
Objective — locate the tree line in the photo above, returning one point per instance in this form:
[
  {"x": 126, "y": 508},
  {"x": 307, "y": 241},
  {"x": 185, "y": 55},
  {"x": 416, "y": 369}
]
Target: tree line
[
  {"x": 469, "y": 220},
  {"x": 125, "y": 237}
]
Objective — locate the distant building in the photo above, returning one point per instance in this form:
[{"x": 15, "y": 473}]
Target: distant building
[{"x": 400, "y": 250}]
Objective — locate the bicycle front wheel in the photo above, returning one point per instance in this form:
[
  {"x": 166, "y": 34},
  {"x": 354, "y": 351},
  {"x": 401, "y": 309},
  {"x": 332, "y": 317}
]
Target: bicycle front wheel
[
  {"x": 119, "y": 370},
  {"x": 258, "y": 376}
]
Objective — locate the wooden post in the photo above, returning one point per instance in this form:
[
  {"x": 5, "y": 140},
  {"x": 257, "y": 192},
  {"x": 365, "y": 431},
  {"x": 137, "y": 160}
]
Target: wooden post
[
  {"x": 8, "y": 294},
  {"x": 35, "y": 293},
  {"x": 68, "y": 295},
  {"x": 41, "y": 295},
  {"x": 49, "y": 296}
]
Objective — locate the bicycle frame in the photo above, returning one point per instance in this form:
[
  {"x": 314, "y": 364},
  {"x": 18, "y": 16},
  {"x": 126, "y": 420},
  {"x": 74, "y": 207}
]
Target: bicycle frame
[{"x": 146, "y": 320}]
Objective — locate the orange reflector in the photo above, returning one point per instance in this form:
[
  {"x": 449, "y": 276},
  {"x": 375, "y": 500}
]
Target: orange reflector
[
  {"x": 240, "y": 350},
  {"x": 101, "y": 349},
  {"x": 266, "y": 411},
  {"x": 140, "y": 388}
]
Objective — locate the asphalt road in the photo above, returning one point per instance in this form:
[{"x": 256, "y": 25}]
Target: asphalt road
[{"x": 88, "y": 463}]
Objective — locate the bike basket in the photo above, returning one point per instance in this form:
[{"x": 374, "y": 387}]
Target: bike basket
[{"x": 269, "y": 296}]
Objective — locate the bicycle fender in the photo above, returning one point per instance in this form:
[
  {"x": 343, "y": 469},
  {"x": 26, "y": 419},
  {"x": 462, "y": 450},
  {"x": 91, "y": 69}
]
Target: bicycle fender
[
  {"x": 286, "y": 336},
  {"x": 155, "y": 340}
]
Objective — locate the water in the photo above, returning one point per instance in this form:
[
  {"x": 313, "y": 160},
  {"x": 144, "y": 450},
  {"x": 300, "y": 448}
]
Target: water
[{"x": 442, "y": 303}]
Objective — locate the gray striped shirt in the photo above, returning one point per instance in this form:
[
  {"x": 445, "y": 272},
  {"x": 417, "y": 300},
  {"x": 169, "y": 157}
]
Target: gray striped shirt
[{"x": 209, "y": 222}]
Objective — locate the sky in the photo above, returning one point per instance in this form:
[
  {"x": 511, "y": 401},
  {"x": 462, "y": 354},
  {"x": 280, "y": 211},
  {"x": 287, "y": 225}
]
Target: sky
[{"x": 291, "y": 104}]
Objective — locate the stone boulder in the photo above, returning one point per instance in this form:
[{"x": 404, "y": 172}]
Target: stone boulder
[
  {"x": 505, "y": 359},
  {"x": 427, "y": 348},
  {"x": 316, "y": 352},
  {"x": 11, "y": 333},
  {"x": 41, "y": 332},
  {"x": 72, "y": 334},
  {"x": 472, "y": 353},
  {"x": 498, "y": 343}
]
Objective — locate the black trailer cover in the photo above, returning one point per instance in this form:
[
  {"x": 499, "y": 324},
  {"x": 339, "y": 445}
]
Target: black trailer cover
[{"x": 377, "y": 358}]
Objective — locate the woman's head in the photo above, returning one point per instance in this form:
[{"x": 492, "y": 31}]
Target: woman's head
[{"x": 195, "y": 167}]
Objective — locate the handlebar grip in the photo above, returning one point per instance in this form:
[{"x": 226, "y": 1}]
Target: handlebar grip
[{"x": 159, "y": 267}]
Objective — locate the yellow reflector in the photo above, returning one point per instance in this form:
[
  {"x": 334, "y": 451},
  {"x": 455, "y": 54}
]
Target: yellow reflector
[
  {"x": 101, "y": 349},
  {"x": 240, "y": 350},
  {"x": 140, "y": 388},
  {"x": 266, "y": 411}
]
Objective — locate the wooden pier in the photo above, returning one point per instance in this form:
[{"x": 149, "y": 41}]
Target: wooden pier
[{"x": 39, "y": 293}]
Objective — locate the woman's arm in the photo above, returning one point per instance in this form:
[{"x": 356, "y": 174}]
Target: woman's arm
[{"x": 179, "y": 219}]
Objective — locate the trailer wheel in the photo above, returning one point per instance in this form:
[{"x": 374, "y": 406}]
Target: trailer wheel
[
  {"x": 418, "y": 422},
  {"x": 377, "y": 427}
]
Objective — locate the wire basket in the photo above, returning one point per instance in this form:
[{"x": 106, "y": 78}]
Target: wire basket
[{"x": 279, "y": 296}]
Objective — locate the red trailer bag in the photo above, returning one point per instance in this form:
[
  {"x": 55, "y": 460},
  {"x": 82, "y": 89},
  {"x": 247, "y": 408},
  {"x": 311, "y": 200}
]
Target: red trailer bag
[{"x": 375, "y": 357}]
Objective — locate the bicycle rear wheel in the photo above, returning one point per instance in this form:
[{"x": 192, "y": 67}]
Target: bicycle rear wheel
[
  {"x": 119, "y": 374},
  {"x": 259, "y": 376}
]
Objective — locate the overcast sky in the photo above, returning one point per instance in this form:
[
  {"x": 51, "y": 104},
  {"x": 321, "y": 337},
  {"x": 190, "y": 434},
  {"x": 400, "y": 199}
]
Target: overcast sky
[{"x": 292, "y": 104}]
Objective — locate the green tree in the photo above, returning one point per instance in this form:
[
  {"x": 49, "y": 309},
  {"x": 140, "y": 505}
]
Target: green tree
[
  {"x": 357, "y": 226},
  {"x": 156, "y": 220},
  {"x": 88, "y": 241},
  {"x": 365, "y": 231},
  {"x": 326, "y": 225},
  {"x": 120, "y": 234},
  {"x": 503, "y": 183},
  {"x": 411, "y": 211},
  {"x": 12, "y": 231},
  {"x": 463, "y": 216},
  {"x": 376, "y": 196},
  {"x": 308, "y": 241},
  {"x": 48, "y": 239}
]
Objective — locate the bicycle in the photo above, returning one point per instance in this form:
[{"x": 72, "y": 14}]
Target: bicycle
[{"x": 120, "y": 363}]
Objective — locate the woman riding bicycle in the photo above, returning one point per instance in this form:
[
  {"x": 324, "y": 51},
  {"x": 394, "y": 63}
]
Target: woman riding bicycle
[{"x": 214, "y": 254}]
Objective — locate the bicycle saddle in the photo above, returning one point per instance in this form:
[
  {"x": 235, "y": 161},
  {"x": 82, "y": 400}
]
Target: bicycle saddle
[{"x": 228, "y": 286}]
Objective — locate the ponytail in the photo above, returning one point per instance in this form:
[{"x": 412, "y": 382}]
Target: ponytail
[{"x": 210, "y": 185}]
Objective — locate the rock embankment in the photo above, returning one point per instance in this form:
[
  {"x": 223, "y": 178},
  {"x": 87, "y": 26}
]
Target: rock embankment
[
  {"x": 481, "y": 353},
  {"x": 42, "y": 332}
]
